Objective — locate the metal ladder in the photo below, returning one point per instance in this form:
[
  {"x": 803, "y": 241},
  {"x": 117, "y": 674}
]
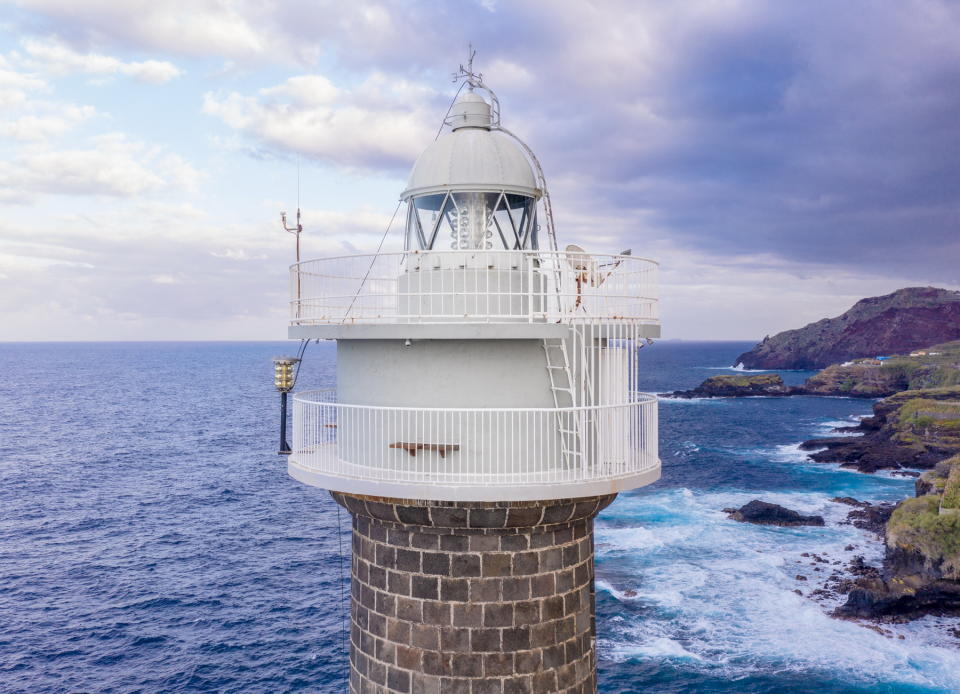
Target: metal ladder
[{"x": 562, "y": 389}]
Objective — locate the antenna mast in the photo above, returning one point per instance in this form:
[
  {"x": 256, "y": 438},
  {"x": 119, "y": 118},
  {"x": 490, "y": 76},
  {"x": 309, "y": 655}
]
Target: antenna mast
[{"x": 296, "y": 231}]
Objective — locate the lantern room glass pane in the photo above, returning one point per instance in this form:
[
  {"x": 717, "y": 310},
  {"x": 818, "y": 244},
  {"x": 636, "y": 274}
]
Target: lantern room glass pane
[
  {"x": 472, "y": 221},
  {"x": 426, "y": 211}
]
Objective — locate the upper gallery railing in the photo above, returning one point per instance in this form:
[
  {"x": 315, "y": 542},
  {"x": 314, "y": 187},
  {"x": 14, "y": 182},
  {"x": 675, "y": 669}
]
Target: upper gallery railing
[{"x": 473, "y": 287}]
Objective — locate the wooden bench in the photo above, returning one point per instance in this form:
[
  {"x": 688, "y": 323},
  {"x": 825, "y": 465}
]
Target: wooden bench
[{"x": 412, "y": 448}]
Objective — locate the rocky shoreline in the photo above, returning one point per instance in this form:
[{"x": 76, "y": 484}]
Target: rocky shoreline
[
  {"x": 914, "y": 429},
  {"x": 935, "y": 367},
  {"x": 831, "y": 382},
  {"x": 920, "y": 571}
]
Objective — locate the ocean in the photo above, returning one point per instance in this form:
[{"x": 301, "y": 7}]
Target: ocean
[{"x": 151, "y": 541}]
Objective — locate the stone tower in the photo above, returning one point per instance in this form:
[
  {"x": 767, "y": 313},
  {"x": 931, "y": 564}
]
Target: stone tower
[{"x": 485, "y": 412}]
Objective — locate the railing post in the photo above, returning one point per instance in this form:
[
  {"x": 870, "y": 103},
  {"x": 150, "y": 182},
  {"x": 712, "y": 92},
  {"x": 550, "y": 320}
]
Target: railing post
[{"x": 529, "y": 259}]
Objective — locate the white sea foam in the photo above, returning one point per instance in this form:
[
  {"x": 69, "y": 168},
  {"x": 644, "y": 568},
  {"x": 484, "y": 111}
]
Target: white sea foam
[
  {"x": 738, "y": 367},
  {"x": 659, "y": 648},
  {"x": 741, "y": 367},
  {"x": 782, "y": 453},
  {"x": 789, "y": 453},
  {"x": 719, "y": 594},
  {"x": 829, "y": 428},
  {"x": 664, "y": 399}
]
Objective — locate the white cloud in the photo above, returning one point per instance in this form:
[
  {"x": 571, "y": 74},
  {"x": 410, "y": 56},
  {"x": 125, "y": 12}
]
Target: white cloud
[
  {"x": 55, "y": 57},
  {"x": 114, "y": 166},
  {"x": 192, "y": 27},
  {"x": 15, "y": 86},
  {"x": 238, "y": 254},
  {"x": 35, "y": 127},
  {"x": 379, "y": 123},
  {"x": 734, "y": 128}
]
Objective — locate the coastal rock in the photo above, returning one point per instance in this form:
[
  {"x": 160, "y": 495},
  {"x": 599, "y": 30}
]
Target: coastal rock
[
  {"x": 871, "y": 517},
  {"x": 849, "y": 501},
  {"x": 896, "y": 323},
  {"x": 921, "y": 567},
  {"x": 737, "y": 386},
  {"x": 763, "y": 513},
  {"x": 913, "y": 429},
  {"x": 857, "y": 381},
  {"x": 879, "y": 600},
  {"x": 935, "y": 367}
]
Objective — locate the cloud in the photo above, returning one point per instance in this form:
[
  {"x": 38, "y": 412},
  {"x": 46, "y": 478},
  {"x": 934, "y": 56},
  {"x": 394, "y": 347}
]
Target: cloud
[
  {"x": 141, "y": 269},
  {"x": 116, "y": 166},
  {"x": 41, "y": 127},
  {"x": 180, "y": 26},
  {"x": 15, "y": 86},
  {"x": 781, "y": 158},
  {"x": 380, "y": 123},
  {"x": 816, "y": 134},
  {"x": 52, "y": 56}
]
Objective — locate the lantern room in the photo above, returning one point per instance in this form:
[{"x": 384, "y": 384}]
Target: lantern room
[{"x": 473, "y": 188}]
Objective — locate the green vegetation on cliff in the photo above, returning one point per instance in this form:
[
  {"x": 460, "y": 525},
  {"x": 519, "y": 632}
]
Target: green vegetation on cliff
[
  {"x": 950, "y": 499},
  {"x": 744, "y": 381},
  {"x": 923, "y": 417},
  {"x": 918, "y": 527},
  {"x": 924, "y": 422},
  {"x": 938, "y": 366},
  {"x": 737, "y": 385}
]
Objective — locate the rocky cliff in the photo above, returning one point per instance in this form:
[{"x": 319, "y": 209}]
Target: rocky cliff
[
  {"x": 914, "y": 428},
  {"x": 896, "y": 323},
  {"x": 921, "y": 567},
  {"x": 737, "y": 386},
  {"x": 937, "y": 367}
]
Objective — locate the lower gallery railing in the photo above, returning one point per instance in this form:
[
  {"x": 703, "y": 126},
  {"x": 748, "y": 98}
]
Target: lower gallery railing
[{"x": 475, "y": 446}]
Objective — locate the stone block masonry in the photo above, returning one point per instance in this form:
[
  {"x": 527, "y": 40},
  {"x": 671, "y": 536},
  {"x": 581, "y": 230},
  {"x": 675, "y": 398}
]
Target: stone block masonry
[{"x": 472, "y": 597}]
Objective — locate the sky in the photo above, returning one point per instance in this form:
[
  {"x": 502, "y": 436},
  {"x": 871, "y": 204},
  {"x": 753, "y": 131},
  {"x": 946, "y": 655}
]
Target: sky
[{"x": 779, "y": 159}]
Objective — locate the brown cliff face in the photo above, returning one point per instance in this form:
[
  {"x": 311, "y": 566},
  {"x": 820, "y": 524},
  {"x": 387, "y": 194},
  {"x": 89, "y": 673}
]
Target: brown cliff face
[{"x": 908, "y": 319}]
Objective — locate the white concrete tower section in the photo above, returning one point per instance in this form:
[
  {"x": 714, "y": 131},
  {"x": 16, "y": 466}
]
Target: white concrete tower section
[{"x": 477, "y": 365}]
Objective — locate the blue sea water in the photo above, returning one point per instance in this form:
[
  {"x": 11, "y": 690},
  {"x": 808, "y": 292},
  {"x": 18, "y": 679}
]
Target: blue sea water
[{"x": 150, "y": 540}]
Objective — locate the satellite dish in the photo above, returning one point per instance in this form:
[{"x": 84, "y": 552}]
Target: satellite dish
[
  {"x": 578, "y": 258},
  {"x": 584, "y": 265}
]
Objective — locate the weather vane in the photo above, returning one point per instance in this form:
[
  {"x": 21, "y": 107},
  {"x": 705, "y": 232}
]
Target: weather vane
[{"x": 474, "y": 79}]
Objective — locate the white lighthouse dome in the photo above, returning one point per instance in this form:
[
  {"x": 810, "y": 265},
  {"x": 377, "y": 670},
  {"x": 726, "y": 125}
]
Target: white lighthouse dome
[{"x": 472, "y": 157}]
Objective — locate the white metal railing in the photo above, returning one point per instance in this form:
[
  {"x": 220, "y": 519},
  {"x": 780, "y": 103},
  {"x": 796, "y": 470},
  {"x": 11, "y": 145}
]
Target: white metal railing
[
  {"x": 434, "y": 447},
  {"x": 473, "y": 286}
]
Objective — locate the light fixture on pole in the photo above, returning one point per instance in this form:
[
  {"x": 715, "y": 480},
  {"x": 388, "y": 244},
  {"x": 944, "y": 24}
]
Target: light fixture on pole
[{"x": 284, "y": 378}]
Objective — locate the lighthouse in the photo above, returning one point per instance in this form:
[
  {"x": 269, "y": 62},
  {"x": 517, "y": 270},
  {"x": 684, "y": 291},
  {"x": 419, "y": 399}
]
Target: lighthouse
[{"x": 485, "y": 410}]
